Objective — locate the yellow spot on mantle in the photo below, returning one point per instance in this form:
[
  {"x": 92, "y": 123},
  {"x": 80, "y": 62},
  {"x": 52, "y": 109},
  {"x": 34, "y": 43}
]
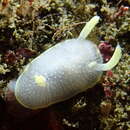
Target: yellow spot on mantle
[{"x": 40, "y": 80}]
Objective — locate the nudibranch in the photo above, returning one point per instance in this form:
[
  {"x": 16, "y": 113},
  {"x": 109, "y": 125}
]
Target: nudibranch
[{"x": 64, "y": 70}]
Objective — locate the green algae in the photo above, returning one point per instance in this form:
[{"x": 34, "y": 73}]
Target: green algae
[{"x": 119, "y": 116}]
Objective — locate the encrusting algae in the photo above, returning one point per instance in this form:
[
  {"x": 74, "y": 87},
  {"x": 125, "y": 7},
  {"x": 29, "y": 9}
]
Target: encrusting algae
[{"x": 28, "y": 28}]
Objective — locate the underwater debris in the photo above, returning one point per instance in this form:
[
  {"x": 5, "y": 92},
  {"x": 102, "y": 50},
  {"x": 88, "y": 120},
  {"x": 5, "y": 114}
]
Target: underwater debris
[
  {"x": 25, "y": 52},
  {"x": 109, "y": 73},
  {"x": 4, "y": 3},
  {"x": 67, "y": 123},
  {"x": 79, "y": 105},
  {"x": 106, "y": 107},
  {"x": 121, "y": 11},
  {"x": 11, "y": 57},
  {"x": 4, "y": 69},
  {"x": 108, "y": 91}
]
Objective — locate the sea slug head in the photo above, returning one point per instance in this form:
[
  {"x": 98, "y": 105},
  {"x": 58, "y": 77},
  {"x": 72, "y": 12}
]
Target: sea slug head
[{"x": 116, "y": 56}]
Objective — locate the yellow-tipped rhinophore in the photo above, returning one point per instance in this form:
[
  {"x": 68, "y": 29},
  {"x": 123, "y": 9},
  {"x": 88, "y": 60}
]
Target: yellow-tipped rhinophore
[
  {"x": 88, "y": 27},
  {"x": 112, "y": 62}
]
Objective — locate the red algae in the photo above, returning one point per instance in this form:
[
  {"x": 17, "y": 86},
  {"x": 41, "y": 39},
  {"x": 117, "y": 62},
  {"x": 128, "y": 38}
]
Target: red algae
[
  {"x": 11, "y": 57},
  {"x": 25, "y": 52},
  {"x": 106, "y": 50}
]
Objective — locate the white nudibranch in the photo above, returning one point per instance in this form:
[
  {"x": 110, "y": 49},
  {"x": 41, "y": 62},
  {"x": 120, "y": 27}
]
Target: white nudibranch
[{"x": 66, "y": 69}]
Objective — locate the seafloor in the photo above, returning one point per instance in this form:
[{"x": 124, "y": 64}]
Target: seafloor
[{"x": 29, "y": 27}]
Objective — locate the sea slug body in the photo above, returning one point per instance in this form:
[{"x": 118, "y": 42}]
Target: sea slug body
[{"x": 68, "y": 68}]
